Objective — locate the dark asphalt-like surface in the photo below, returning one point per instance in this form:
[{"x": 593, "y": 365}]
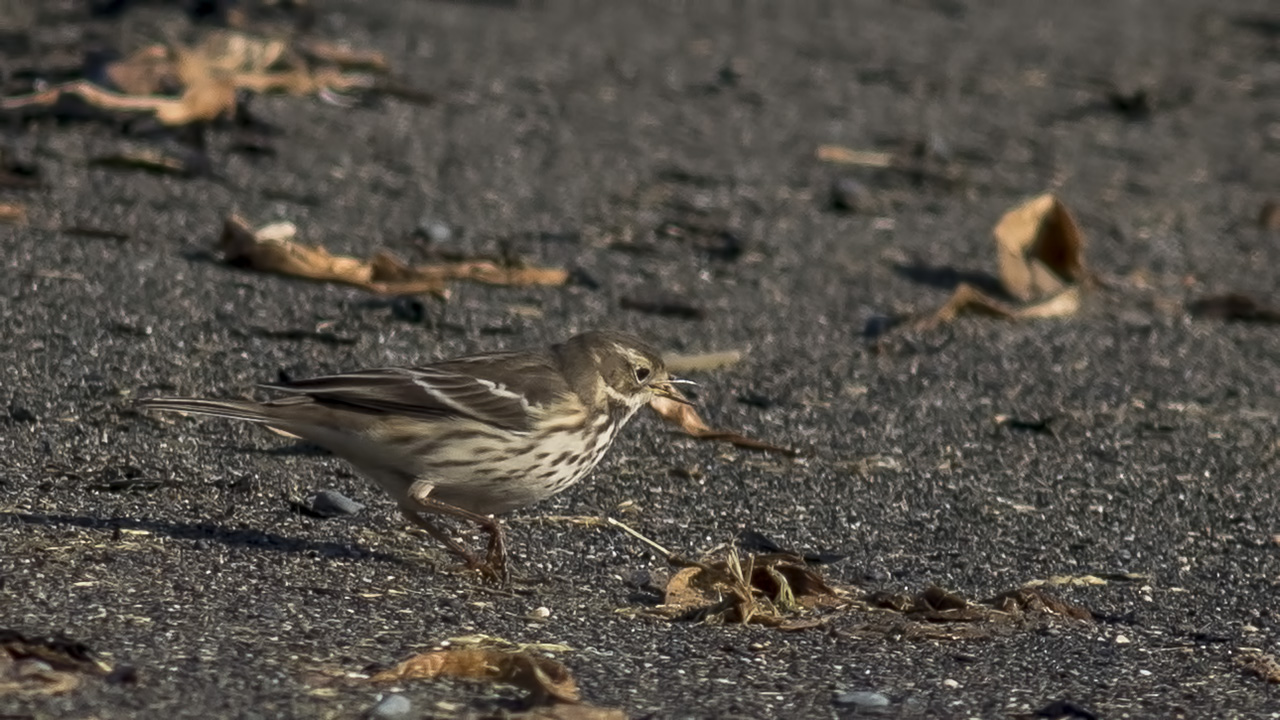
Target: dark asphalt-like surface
[{"x": 563, "y": 129}]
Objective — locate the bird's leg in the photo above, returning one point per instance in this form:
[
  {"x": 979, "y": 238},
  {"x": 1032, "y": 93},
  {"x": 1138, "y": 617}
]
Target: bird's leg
[
  {"x": 495, "y": 563},
  {"x": 441, "y": 536}
]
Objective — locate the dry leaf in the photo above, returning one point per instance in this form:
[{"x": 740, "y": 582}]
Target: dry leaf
[
  {"x": 1035, "y": 600},
  {"x": 938, "y": 605},
  {"x": 185, "y": 84},
  {"x": 543, "y": 678},
  {"x": 148, "y": 71},
  {"x": 48, "y": 666},
  {"x": 1067, "y": 580},
  {"x": 1040, "y": 249},
  {"x": 686, "y": 418},
  {"x": 766, "y": 589},
  {"x": 1041, "y": 263},
  {"x": 1263, "y": 665},
  {"x": 969, "y": 299},
  {"x": 272, "y": 249},
  {"x": 345, "y": 57}
]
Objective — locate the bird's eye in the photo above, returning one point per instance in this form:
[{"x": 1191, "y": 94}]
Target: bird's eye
[{"x": 642, "y": 374}]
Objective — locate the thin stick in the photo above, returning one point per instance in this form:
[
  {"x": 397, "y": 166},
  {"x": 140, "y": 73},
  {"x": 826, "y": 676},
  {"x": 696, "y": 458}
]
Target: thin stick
[
  {"x": 635, "y": 534},
  {"x": 705, "y": 361}
]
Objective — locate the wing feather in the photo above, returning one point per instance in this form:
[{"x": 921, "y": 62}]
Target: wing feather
[{"x": 503, "y": 389}]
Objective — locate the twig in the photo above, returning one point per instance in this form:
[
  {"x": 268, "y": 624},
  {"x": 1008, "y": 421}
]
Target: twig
[
  {"x": 705, "y": 361},
  {"x": 672, "y": 557},
  {"x": 847, "y": 156}
]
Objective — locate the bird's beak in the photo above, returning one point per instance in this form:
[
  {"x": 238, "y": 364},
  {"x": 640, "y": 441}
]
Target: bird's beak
[{"x": 668, "y": 390}]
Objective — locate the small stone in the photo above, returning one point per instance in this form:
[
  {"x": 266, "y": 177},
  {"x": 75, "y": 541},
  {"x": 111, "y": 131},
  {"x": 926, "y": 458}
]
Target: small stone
[
  {"x": 581, "y": 278},
  {"x": 876, "y": 575},
  {"x": 17, "y": 413},
  {"x": 862, "y": 699},
  {"x": 122, "y": 675},
  {"x": 538, "y": 614},
  {"x": 848, "y": 195},
  {"x": 640, "y": 579},
  {"x": 1123, "y": 640},
  {"x": 391, "y": 707},
  {"x": 878, "y": 325},
  {"x": 409, "y": 309},
  {"x": 434, "y": 231},
  {"x": 951, "y": 684},
  {"x": 331, "y": 503}
]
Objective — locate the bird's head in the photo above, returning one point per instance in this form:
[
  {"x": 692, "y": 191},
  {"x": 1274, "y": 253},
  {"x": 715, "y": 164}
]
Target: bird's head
[{"x": 626, "y": 372}]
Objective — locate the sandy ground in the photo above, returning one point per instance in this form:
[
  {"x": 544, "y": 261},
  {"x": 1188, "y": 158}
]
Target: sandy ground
[{"x": 567, "y": 133}]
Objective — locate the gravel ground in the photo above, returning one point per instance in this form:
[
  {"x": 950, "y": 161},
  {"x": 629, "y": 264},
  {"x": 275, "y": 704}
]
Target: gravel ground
[{"x": 566, "y": 133}]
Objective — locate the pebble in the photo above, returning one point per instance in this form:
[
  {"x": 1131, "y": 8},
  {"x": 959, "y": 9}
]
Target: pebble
[
  {"x": 863, "y": 699},
  {"x": 331, "y": 503},
  {"x": 409, "y": 309},
  {"x": 1123, "y": 640},
  {"x": 391, "y": 707},
  {"x": 878, "y": 325},
  {"x": 848, "y": 195},
  {"x": 435, "y": 231}
]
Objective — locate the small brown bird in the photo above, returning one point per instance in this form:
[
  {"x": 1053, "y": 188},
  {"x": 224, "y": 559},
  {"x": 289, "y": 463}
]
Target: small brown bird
[{"x": 469, "y": 437}]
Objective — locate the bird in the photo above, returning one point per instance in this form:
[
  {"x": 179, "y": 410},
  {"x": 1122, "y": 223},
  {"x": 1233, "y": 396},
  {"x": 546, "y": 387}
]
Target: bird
[{"x": 470, "y": 437}]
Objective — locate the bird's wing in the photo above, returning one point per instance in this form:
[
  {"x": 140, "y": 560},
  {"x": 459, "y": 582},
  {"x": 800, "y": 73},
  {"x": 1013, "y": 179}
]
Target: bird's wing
[{"x": 499, "y": 388}]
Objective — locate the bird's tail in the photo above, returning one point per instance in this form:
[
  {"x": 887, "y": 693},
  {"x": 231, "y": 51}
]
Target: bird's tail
[{"x": 233, "y": 409}]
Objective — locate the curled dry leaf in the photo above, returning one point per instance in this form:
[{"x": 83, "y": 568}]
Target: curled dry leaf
[
  {"x": 687, "y": 419},
  {"x": 272, "y": 249},
  {"x": 1041, "y": 264},
  {"x": 1041, "y": 250},
  {"x": 938, "y": 605},
  {"x": 969, "y": 299},
  {"x": 185, "y": 84},
  {"x": 44, "y": 666},
  {"x": 1263, "y": 665},
  {"x": 774, "y": 589},
  {"x": 546, "y": 680},
  {"x": 1032, "y": 600},
  {"x": 1066, "y": 580},
  {"x": 203, "y": 102}
]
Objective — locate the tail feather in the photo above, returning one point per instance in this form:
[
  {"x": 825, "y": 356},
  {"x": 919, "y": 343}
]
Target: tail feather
[{"x": 232, "y": 409}]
